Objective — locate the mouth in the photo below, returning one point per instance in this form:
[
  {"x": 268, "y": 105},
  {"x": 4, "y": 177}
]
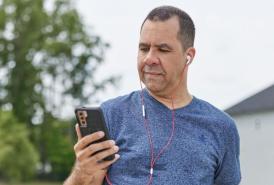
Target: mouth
[{"x": 153, "y": 73}]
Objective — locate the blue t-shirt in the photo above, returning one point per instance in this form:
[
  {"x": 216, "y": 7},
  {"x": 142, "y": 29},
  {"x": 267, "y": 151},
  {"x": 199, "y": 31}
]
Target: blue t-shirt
[{"x": 203, "y": 151}]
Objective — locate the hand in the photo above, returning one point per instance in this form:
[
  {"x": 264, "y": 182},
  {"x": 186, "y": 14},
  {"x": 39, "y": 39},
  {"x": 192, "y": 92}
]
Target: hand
[{"x": 90, "y": 167}]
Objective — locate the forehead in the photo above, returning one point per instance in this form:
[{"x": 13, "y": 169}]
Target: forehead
[{"x": 160, "y": 31}]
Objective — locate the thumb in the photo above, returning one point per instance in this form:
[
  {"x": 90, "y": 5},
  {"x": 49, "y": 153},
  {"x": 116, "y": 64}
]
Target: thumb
[{"x": 77, "y": 128}]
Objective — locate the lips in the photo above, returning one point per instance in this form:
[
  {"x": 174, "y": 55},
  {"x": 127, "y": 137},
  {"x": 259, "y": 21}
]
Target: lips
[{"x": 153, "y": 73}]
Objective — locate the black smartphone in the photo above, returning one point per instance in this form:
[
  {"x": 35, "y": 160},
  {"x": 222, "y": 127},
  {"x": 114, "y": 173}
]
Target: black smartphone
[{"x": 92, "y": 120}]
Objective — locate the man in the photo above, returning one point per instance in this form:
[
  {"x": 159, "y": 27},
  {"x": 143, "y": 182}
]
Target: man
[{"x": 163, "y": 134}]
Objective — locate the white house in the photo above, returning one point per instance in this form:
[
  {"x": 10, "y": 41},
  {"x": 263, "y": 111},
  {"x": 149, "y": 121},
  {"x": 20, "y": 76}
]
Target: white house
[{"x": 254, "y": 117}]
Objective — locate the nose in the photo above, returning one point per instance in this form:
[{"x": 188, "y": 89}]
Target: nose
[{"x": 151, "y": 58}]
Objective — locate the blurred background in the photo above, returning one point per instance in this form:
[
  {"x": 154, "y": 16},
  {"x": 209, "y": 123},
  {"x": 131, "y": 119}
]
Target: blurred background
[{"x": 59, "y": 54}]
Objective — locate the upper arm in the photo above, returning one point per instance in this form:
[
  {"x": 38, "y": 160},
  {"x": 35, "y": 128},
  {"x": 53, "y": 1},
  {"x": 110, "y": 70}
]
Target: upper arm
[{"x": 228, "y": 171}]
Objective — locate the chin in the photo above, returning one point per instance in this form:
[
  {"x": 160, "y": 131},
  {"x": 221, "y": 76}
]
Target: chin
[{"x": 153, "y": 88}]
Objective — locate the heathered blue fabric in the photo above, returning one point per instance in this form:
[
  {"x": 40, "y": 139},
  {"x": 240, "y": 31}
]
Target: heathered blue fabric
[{"x": 204, "y": 149}]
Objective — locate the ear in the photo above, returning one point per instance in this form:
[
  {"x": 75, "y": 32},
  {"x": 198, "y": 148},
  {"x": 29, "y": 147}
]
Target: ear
[{"x": 190, "y": 54}]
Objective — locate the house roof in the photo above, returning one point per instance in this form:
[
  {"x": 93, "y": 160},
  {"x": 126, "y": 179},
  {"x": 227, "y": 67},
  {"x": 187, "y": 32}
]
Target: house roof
[{"x": 261, "y": 101}]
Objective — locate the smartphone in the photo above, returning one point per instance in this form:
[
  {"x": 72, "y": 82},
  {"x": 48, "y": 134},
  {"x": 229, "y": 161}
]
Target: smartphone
[{"x": 92, "y": 120}]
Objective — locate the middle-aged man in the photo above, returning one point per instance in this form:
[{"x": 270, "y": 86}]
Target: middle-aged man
[{"x": 162, "y": 134}]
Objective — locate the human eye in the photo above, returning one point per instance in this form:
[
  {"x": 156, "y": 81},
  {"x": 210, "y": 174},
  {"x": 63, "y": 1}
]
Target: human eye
[
  {"x": 164, "y": 50},
  {"x": 144, "y": 49}
]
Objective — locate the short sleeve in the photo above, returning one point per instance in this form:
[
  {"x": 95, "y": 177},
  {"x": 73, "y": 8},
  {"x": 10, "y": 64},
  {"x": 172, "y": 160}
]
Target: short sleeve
[
  {"x": 106, "y": 112},
  {"x": 228, "y": 171},
  {"x": 112, "y": 116}
]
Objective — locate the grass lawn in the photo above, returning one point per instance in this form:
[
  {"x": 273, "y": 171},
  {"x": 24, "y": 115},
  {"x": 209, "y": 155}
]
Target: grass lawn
[{"x": 34, "y": 183}]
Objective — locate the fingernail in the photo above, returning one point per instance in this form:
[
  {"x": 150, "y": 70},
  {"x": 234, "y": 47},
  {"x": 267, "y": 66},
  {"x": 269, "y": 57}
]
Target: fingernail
[
  {"x": 117, "y": 156},
  {"x": 116, "y": 148},
  {"x": 112, "y": 142},
  {"x": 101, "y": 134}
]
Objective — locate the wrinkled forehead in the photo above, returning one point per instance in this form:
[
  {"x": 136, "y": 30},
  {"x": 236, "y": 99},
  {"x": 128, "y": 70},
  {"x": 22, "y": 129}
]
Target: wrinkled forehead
[
  {"x": 172, "y": 21},
  {"x": 160, "y": 30}
]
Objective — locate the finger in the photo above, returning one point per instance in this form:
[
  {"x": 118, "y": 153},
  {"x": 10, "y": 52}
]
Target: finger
[
  {"x": 83, "y": 142},
  {"x": 93, "y": 148},
  {"x": 105, "y": 164},
  {"x": 77, "y": 128},
  {"x": 103, "y": 154}
]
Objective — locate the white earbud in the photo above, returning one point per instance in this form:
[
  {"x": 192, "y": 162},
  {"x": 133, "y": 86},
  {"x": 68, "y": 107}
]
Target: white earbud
[{"x": 188, "y": 59}]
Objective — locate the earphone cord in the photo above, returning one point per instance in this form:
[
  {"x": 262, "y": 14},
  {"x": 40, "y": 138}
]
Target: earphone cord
[
  {"x": 152, "y": 159},
  {"x": 107, "y": 179}
]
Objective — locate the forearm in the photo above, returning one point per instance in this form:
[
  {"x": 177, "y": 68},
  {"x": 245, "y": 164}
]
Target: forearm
[
  {"x": 71, "y": 180},
  {"x": 78, "y": 179}
]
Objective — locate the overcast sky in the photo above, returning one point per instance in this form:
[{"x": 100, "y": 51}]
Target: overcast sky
[{"x": 234, "y": 44}]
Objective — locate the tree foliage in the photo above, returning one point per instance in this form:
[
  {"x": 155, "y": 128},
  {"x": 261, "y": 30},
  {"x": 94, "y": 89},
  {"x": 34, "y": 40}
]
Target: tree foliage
[
  {"x": 18, "y": 158},
  {"x": 48, "y": 58},
  {"x": 59, "y": 148}
]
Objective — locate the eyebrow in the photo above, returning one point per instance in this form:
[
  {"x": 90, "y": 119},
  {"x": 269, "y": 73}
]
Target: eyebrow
[
  {"x": 163, "y": 45},
  {"x": 143, "y": 45}
]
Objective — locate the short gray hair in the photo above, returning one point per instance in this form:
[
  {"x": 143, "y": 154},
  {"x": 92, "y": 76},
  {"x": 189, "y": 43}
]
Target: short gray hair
[{"x": 187, "y": 29}]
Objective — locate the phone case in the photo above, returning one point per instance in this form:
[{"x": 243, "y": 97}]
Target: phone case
[{"x": 91, "y": 120}]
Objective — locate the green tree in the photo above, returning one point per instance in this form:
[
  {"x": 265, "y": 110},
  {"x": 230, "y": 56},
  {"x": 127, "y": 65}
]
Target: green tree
[
  {"x": 18, "y": 158},
  {"x": 48, "y": 58},
  {"x": 60, "y": 147}
]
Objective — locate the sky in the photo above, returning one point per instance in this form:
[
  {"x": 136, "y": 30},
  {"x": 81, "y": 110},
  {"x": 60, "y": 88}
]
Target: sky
[{"x": 234, "y": 45}]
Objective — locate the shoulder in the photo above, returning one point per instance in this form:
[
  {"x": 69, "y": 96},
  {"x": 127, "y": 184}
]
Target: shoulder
[
  {"x": 121, "y": 101},
  {"x": 117, "y": 109},
  {"x": 120, "y": 107},
  {"x": 221, "y": 122},
  {"x": 215, "y": 114}
]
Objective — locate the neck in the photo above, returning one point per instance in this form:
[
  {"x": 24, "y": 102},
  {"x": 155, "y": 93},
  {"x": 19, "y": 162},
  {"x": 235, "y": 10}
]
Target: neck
[{"x": 180, "y": 98}]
